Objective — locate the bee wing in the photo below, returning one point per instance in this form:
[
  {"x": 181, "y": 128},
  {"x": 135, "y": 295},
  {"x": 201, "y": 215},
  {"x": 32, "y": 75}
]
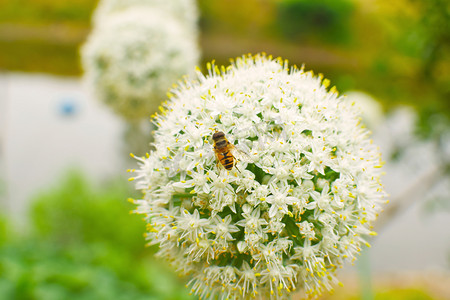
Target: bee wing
[{"x": 240, "y": 154}]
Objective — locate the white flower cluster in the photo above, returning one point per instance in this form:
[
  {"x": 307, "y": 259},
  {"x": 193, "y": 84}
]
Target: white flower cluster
[
  {"x": 282, "y": 219},
  {"x": 136, "y": 52}
]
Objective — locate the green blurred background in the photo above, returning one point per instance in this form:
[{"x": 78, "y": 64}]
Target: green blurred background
[{"x": 81, "y": 242}]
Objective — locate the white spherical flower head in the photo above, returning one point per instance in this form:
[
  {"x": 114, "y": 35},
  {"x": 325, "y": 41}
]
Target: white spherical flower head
[
  {"x": 132, "y": 59},
  {"x": 292, "y": 203}
]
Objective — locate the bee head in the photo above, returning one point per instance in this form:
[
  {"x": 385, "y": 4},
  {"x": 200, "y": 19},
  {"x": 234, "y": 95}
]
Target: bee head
[{"x": 218, "y": 135}]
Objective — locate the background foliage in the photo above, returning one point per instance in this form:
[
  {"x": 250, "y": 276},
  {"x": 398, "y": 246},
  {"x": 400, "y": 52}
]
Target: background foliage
[{"x": 82, "y": 244}]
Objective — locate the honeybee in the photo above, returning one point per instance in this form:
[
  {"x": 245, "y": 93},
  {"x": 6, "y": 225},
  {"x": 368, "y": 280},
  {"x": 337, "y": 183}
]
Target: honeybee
[{"x": 225, "y": 151}]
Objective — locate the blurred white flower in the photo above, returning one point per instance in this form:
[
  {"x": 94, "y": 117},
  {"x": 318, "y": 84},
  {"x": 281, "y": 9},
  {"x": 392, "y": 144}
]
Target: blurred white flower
[
  {"x": 286, "y": 218},
  {"x": 184, "y": 11},
  {"x": 132, "y": 58}
]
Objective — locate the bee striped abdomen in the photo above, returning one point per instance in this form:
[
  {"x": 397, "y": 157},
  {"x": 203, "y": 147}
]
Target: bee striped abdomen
[{"x": 227, "y": 160}]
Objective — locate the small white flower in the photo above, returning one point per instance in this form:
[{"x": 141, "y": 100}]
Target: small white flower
[
  {"x": 222, "y": 192},
  {"x": 319, "y": 157},
  {"x": 280, "y": 223},
  {"x": 191, "y": 226},
  {"x": 252, "y": 222},
  {"x": 247, "y": 182},
  {"x": 248, "y": 280},
  {"x": 202, "y": 249},
  {"x": 222, "y": 229},
  {"x": 307, "y": 230},
  {"x": 321, "y": 201},
  {"x": 270, "y": 253},
  {"x": 279, "y": 201}
]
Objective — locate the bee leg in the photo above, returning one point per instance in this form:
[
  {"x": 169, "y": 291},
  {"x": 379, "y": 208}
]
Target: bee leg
[{"x": 235, "y": 165}]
